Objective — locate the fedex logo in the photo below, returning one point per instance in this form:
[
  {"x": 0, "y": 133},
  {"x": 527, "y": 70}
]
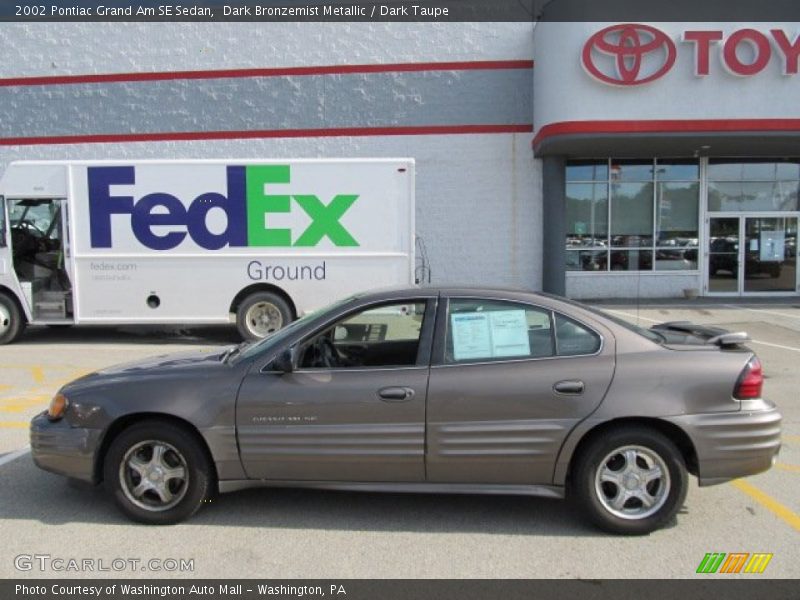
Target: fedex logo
[{"x": 246, "y": 204}]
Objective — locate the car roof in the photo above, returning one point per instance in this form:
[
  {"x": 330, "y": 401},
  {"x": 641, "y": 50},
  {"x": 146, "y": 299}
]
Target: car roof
[
  {"x": 543, "y": 299},
  {"x": 456, "y": 290}
]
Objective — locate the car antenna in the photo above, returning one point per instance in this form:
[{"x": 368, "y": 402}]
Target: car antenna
[{"x": 638, "y": 295}]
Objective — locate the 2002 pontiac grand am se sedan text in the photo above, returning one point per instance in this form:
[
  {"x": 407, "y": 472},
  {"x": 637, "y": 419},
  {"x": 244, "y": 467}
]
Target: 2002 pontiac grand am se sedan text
[{"x": 427, "y": 390}]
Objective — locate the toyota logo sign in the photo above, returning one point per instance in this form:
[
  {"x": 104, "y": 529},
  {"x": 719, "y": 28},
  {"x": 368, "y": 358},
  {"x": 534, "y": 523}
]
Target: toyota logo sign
[{"x": 629, "y": 54}]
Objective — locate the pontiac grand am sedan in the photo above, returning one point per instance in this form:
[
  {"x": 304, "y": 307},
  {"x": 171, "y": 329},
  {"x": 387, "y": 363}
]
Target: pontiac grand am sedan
[{"x": 427, "y": 390}]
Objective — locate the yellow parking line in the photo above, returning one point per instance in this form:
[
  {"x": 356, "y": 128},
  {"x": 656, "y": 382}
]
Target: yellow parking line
[
  {"x": 21, "y": 402},
  {"x": 790, "y": 468},
  {"x": 768, "y": 502},
  {"x": 14, "y": 424},
  {"x": 38, "y": 374}
]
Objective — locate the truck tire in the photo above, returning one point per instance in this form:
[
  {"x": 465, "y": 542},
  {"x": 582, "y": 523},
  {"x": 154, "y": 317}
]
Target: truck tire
[
  {"x": 12, "y": 321},
  {"x": 262, "y": 314}
]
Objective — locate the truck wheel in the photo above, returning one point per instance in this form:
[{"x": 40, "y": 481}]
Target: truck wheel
[
  {"x": 630, "y": 481},
  {"x": 12, "y": 322},
  {"x": 262, "y": 314},
  {"x": 158, "y": 473}
]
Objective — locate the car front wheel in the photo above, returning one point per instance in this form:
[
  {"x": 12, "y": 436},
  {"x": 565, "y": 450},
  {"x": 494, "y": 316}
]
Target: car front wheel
[
  {"x": 630, "y": 481},
  {"x": 158, "y": 473}
]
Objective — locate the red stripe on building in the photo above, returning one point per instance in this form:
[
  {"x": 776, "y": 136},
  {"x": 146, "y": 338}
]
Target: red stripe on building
[
  {"x": 269, "y": 133},
  {"x": 488, "y": 65},
  {"x": 665, "y": 127}
]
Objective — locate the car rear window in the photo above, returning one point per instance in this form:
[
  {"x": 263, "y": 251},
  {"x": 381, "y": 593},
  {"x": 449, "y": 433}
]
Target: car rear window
[{"x": 645, "y": 333}]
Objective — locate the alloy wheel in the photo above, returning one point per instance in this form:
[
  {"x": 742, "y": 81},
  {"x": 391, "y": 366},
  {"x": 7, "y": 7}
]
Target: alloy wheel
[
  {"x": 154, "y": 475},
  {"x": 632, "y": 482}
]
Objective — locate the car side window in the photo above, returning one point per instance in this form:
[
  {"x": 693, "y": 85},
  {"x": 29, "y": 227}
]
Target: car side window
[
  {"x": 574, "y": 339},
  {"x": 384, "y": 336},
  {"x": 481, "y": 330}
]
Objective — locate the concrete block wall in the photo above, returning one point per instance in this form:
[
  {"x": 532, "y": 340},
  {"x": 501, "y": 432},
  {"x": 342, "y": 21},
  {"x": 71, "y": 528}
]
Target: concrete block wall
[{"x": 631, "y": 285}]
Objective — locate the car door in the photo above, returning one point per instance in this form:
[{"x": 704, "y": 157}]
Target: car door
[
  {"x": 509, "y": 380},
  {"x": 353, "y": 409}
]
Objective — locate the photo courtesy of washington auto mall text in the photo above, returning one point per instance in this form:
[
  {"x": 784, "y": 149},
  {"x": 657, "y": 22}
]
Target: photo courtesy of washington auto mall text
[
  {"x": 399, "y": 300},
  {"x": 176, "y": 590}
]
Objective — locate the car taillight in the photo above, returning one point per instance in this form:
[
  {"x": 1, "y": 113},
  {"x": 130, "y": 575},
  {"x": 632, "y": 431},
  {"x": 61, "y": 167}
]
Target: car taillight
[{"x": 750, "y": 381}]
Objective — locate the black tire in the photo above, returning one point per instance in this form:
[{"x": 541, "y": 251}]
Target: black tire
[
  {"x": 249, "y": 328},
  {"x": 587, "y": 495},
  {"x": 189, "y": 493},
  {"x": 12, "y": 320}
]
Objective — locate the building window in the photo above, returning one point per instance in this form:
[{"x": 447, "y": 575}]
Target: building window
[
  {"x": 753, "y": 185},
  {"x": 632, "y": 215}
]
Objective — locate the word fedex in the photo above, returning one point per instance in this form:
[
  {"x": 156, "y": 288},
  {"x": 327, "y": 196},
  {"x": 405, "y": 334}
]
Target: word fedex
[{"x": 246, "y": 205}]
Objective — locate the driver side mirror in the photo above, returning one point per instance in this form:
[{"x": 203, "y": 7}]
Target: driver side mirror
[{"x": 284, "y": 362}]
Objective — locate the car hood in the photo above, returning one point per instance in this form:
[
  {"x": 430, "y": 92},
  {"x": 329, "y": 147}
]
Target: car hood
[{"x": 155, "y": 366}]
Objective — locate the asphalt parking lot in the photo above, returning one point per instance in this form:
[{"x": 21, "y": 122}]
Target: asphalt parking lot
[{"x": 302, "y": 534}]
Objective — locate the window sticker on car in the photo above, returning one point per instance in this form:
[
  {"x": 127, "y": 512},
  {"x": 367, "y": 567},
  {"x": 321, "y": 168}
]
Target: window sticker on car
[
  {"x": 496, "y": 334},
  {"x": 471, "y": 336},
  {"x": 509, "y": 331}
]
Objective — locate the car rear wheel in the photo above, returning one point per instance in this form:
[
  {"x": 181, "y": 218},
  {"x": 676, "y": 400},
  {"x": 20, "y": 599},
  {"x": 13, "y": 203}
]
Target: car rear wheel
[
  {"x": 262, "y": 314},
  {"x": 158, "y": 473},
  {"x": 12, "y": 321},
  {"x": 630, "y": 481}
]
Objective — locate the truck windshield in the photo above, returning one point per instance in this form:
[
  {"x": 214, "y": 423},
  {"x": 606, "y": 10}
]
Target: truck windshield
[{"x": 34, "y": 216}]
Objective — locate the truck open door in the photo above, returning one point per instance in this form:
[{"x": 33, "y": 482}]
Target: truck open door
[{"x": 38, "y": 244}]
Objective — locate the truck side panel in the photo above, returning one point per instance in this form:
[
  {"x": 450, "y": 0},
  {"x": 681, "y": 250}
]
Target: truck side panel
[{"x": 177, "y": 241}]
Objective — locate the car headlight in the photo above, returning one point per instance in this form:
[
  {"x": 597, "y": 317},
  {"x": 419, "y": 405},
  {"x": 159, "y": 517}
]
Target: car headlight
[{"x": 58, "y": 406}]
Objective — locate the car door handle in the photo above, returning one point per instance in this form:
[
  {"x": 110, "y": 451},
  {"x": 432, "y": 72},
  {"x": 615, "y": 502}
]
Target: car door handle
[
  {"x": 396, "y": 394},
  {"x": 570, "y": 387}
]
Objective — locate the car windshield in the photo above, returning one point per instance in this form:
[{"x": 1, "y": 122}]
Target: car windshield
[
  {"x": 256, "y": 348},
  {"x": 649, "y": 334}
]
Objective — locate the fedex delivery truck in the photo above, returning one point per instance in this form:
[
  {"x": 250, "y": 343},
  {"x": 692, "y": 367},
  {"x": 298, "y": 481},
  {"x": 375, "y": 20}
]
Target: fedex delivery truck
[{"x": 255, "y": 242}]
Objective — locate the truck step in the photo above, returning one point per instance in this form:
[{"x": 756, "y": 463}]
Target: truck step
[{"x": 50, "y": 305}]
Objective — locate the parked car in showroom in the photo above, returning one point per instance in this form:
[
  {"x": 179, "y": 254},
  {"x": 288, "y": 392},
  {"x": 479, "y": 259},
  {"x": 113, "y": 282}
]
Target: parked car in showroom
[{"x": 427, "y": 390}]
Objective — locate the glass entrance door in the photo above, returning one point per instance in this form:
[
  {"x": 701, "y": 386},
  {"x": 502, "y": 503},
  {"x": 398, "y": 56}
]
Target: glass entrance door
[
  {"x": 723, "y": 255},
  {"x": 752, "y": 255},
  {"x": 770, "y": 254}
]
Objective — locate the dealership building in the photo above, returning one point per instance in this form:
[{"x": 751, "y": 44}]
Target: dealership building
[{"x": 596, "y": 159}]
